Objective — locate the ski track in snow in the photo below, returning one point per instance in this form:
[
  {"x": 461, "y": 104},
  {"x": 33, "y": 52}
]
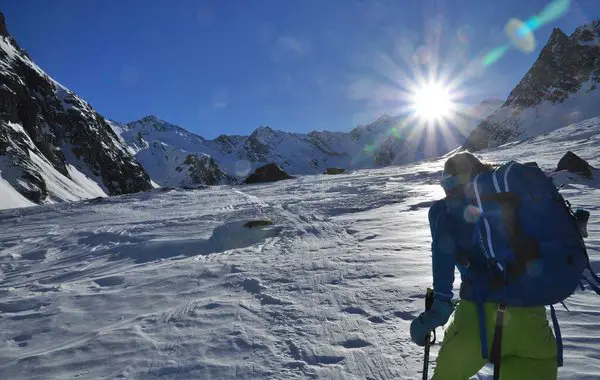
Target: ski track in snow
[{"x": 169, "y": 284}]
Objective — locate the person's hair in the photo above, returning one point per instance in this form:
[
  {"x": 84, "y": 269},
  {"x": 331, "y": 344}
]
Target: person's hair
[{"x": 466, "y": 164}]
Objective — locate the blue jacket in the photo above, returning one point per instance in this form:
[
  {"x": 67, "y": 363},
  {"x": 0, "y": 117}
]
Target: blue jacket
[{"x": 453, "y": 245}]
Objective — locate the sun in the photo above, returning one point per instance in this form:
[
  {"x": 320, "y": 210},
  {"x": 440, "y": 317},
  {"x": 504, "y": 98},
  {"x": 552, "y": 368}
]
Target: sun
[{"x": 432, "y": 102}]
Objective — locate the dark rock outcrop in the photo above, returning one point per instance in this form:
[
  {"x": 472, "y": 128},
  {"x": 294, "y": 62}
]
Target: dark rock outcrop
[
  {"x": 334, "y": 171},
  {"x": 258, "y": 223},
  {"x": 3, "y": 30},
  {"x": 268, "y": 173},
  {"x": 575, "y": 164}
]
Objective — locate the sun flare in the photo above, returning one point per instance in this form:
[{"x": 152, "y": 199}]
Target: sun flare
[{"x": 432, "y": 102}]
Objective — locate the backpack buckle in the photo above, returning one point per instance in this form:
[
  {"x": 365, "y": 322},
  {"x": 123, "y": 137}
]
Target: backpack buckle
[{"x": 582, "y": 217}]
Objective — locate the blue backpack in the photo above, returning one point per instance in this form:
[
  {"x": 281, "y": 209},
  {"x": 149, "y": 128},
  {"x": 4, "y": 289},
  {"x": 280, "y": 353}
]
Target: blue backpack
[{"x": 530, "y": 238}]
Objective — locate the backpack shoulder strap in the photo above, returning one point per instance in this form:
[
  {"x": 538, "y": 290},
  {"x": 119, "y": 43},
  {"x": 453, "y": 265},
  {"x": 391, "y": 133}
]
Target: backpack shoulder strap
[
  {"x": 487, "y": 246},
  {"x": 505, "y": 169}
]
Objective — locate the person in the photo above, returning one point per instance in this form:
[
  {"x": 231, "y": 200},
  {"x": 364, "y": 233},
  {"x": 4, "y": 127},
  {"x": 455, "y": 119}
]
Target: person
[{"x": 528, "y": 346}]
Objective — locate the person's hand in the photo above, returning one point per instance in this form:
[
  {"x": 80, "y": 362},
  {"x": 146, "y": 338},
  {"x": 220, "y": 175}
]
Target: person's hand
[{"x": 427, "y": 321}]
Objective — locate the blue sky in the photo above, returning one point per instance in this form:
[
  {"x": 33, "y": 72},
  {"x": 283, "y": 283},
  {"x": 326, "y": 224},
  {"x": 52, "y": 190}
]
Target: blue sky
[{"x": 229, "y": 66}]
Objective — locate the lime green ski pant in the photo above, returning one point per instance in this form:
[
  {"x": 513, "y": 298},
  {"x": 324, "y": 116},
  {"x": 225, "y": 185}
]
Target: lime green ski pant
[{"x": 528, "y": 344}]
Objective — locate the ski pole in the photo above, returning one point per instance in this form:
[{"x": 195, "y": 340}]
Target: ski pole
[{"x": 428, "y": 338}]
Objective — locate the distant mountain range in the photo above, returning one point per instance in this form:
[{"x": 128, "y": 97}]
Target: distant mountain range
[
  {"x": 175, "y": 157},
  {"x": 55, "y": 147}
]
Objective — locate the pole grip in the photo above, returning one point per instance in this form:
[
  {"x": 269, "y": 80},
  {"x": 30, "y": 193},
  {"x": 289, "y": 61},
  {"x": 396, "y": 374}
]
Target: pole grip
[{"x": 429, "y": 299}]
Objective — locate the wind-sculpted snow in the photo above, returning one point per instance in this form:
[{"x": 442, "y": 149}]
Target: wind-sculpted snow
[{"x": 322, "y": 283}]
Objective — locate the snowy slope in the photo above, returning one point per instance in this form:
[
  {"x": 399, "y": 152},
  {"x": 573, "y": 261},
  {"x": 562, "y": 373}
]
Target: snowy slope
[
  {"x": 560, "y": 88},
  {"x": 55, "y": 185},
  {"x": 161, "y": 147},
  {"x": 169, "y": 284},
  {"x": 10, "y": 197},
  {"x": 53, "y": 144}
]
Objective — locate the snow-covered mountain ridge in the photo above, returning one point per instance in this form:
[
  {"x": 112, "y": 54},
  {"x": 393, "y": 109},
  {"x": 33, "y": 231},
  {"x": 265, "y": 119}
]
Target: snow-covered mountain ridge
[
  {"x": 53, "y": 145},
  {"x": 163, "y": 148},
  {"x": 560, "y": 88}
]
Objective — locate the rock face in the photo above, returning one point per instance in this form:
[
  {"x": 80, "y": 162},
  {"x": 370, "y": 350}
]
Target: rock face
[
  {"x": 203, "y": 169},
  {"x": 575, "y": 164},
  {"x": 3, "y": 30},
  {"x": 268, "y": 173},
  {"x": 560, "y": 88},
  {"x": 54, "y": 145}
]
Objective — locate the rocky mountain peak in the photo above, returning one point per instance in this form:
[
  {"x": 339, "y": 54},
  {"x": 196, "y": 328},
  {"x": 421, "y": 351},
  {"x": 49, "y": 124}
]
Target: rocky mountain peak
[
  {"x": 263, "y": 129},
  {"x": 587, "y": 33},
  {"x": 151, "y": 119},
  {"x": 561, "y": 68},
  {"x": 557, "y": 36},
  {"x": 563, "y": 81},
  {"x": 262, "y": 133},
  {"x": 383, "y": 120},
  {"x": 3, "y": 29}
]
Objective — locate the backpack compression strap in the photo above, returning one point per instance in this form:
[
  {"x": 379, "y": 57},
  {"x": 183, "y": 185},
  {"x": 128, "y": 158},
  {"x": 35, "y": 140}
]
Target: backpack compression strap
[{"x": 559, "y": 343}]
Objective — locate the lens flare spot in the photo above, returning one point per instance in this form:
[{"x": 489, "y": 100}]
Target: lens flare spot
[
  {"x": 535, "y": 268},
  {"x": 242, "y": 168},
  {"x": 530, "y": 25},
  {"x": 471, "y": 214},
  {"x": 553, "y": 11},
  {"x": 464, "y": 34},
  {"x": 520, "y": 34},
  {"x": 574, "y": 117},
  {"x": 474, "y": 68},
  {"x": 507, "y": 317},
  {"x": 494, "y": 55},
  {"x": 422, "y": 56},
  {"x": 435, "y": 26}
]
